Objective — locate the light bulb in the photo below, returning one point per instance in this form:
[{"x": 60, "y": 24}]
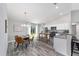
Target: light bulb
[{"x": 57, "y": 7}]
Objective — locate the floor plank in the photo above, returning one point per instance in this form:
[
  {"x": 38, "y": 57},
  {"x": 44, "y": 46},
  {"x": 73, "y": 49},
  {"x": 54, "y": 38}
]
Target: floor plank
[{"x": 37, "y": 49}]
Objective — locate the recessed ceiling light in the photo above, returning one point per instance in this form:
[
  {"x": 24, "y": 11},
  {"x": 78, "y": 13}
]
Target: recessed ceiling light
[{"x": 57, "y": 7}]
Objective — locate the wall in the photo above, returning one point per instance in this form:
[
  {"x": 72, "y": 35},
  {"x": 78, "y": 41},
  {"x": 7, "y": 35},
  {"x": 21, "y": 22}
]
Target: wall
[
  {"x": 75, "y": 16},
  {"x": 3, "y": 35},
  {"x": 61, "y": 23},
  {"x": 12, "y": 32},
  {"x": 75, "y": 6}
]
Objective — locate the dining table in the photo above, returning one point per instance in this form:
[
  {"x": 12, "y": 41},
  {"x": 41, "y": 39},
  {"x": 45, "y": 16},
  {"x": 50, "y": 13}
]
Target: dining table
[{"x": 26, "y": 38}]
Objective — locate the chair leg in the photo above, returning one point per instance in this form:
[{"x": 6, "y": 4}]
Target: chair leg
[
  {"x": 17, "y": 45},
  {"x": 26, "y": 45},
  {"x": 72, "y": 47},
  {"x": 22, "y": 45}
]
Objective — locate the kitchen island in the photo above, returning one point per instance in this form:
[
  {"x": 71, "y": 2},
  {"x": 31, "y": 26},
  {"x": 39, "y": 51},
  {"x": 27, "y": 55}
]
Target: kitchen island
[{"x": 62, "y": 44}]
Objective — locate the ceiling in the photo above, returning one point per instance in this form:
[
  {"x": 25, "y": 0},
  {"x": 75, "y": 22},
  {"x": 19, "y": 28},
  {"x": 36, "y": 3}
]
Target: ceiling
[{"x": 36, "y": 12}]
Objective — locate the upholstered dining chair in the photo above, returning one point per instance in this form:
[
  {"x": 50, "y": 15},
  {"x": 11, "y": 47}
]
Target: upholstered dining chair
[{"x": 19, "y": 40}]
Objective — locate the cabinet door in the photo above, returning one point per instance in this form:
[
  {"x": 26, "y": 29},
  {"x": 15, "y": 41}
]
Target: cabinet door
[
  {"x": 60, "y": 45},
  {"x": 74, "y": 29}
]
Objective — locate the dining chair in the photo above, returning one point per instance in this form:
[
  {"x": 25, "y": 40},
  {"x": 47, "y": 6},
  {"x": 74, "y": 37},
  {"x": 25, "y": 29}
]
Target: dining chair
[
  {"x": 19, "y": 41},
  {"x": 32, "y": 41}
]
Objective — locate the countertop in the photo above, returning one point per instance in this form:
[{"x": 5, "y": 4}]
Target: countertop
[{"x": 62, "y": 36}]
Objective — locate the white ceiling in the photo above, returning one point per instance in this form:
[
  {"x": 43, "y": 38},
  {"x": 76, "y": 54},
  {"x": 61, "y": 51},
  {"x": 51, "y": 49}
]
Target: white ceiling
[{"x": 36, "y": 12}]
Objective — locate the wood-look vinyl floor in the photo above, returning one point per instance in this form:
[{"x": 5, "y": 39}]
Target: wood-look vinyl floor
[{"x": 34, "y": 49}]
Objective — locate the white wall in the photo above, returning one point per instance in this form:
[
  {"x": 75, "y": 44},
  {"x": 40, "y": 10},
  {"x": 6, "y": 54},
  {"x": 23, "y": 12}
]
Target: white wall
[
  {"x": 12, "y": 32},
  {"x": 61, "y": 23},
  {"x": 75, "y": 6},
  {"x": 75, "y": 16},
  {"x": 3, "y": 35}
]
